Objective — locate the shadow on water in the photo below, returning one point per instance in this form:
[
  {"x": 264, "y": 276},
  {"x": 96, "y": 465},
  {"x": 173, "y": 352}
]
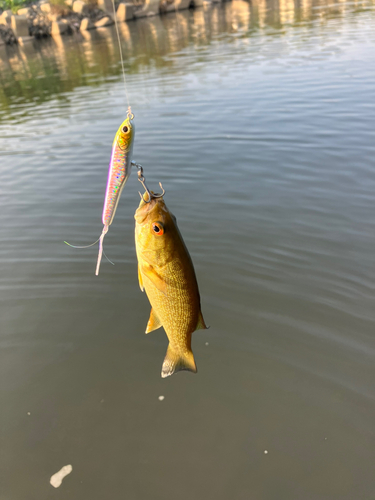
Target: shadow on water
[{"x": 49, "y": 68}]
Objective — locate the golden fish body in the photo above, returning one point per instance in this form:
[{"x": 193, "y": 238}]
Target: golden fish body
[{"x": 166, "y": 273}]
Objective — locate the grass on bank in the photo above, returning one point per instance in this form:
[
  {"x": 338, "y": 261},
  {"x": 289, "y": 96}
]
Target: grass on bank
[{"x": 13, "y": 5}]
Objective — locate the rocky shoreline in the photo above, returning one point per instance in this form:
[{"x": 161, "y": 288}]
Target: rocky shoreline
[{"x": 59, "y": 17}]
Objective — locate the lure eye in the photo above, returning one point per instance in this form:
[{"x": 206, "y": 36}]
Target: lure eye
[
  {"x": 125, "y": 129},
  {"x": 157, "y": 228}
]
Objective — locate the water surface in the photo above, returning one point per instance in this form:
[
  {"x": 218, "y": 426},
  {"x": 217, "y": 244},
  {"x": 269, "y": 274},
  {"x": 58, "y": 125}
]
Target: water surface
[{"x": 259, "y": 120}]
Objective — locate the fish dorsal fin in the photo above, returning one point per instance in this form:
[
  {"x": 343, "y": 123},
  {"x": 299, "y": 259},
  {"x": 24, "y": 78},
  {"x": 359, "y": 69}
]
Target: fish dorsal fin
[
  {"x": 175, "y": 362},
  {"x": 153, "y": 323},
  {"x": 150, "y": 272},
  {"x": 201, "y": 325},
  {"x": 140, "y": 280}
]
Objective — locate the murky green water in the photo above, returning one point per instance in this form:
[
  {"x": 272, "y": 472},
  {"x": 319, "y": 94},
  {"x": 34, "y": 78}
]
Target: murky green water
[{"x": 259, "y": 120}]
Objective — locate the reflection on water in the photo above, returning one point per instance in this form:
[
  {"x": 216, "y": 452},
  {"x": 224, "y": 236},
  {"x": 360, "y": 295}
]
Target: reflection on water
[
  {"x": 47, "y": 68},
  {"x": 259, "y": 120}
]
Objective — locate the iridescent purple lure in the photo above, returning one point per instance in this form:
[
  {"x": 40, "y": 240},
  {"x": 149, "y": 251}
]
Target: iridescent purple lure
[{"x": 118, "y": 173}]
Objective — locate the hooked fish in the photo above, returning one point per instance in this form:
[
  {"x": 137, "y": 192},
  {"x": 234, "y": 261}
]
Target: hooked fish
[{"x": 166, "y": 273}]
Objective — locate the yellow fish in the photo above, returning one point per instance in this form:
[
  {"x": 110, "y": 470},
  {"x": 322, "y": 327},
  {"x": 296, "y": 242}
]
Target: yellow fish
[{"x": 166, "y": 272}]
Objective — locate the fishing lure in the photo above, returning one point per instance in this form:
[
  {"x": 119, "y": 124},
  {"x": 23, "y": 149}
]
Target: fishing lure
[
  {"x": 119, "y": 166},
  {"x": 118, "y": 173}
]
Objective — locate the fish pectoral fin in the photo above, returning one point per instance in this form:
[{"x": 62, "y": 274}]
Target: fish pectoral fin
[
  {"x": 201, "y": 325},
  {"x": 140, "y": 279},
  {"x": 153, "y": 323},
  {"x": 150, "y": 272},
  {"x": 175, "y": 362}
]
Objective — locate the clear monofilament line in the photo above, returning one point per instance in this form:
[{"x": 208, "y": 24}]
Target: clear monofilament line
[
  {"x": 85, "y": 246},
  {"x": 92, "y": 244},
  {"x": 122, "y": 59}
]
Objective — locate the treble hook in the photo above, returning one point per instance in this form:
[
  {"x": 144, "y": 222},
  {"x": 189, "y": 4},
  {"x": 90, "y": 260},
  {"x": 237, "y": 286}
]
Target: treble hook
[{"x": 142, "y": 180}]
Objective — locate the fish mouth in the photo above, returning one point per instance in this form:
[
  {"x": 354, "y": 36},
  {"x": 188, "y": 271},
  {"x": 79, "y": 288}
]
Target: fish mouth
[{"x": 146, "y": 207}]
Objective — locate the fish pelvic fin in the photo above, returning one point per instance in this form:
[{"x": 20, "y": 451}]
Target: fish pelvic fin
[
  {"x": 140, "y": 280},
  {"x": 201, "y": 325},
  {"x": 175, "y": 362},
  {"x": 153, "y": 323}
]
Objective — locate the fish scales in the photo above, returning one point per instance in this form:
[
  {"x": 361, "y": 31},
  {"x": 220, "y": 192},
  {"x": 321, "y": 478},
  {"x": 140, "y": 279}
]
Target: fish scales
[{"x": 178, "y": 312}]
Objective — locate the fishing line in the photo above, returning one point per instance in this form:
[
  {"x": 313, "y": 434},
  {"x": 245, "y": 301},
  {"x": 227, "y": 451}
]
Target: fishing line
[
  {"x": 122, "y": 59},
  {"x": 88, "y": 246},
  {"x": 130, "y": 117}
]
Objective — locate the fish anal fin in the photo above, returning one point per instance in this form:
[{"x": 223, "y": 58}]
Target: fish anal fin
[
  {"x": 201, "y": 325},
  {"x": 153, "y": 323},
  {"x": 151, "y": 273},
  {"x": 140, "y": 280},
  {"x": 175, "y": 362}
]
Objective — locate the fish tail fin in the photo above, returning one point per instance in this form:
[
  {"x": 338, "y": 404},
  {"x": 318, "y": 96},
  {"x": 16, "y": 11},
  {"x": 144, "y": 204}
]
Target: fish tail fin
[{"x": 175, "y": 362}]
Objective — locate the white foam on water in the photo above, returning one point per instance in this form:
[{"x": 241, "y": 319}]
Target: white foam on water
[{"x": 57, "y": 478}]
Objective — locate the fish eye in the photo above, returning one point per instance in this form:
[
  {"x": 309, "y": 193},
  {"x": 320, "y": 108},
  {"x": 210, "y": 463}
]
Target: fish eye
[
  {"x": 157, "y": 228},
  {"x": 125, "y": 129}
]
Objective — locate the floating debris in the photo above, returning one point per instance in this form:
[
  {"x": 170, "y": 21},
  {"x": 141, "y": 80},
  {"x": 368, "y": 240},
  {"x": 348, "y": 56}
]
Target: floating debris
[
  {"x": 265, "y": 452},
  {"x": 206, "y": 343},
  {"x": 57, "y": 478},
  {"x": 161, "y": 398},
  {"x": 28, "y": 413}
]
